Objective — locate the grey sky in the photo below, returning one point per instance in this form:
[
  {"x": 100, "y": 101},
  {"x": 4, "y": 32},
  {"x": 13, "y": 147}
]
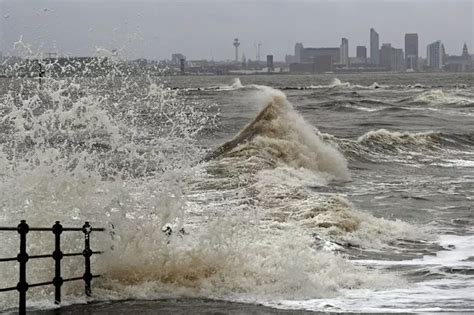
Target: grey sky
[{"x": 206, "y": 28}]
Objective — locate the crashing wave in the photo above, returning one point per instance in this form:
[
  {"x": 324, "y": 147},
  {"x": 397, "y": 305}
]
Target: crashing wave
[
  {"x": 438, "y": 97},
  {"x": 417, "y": 141},
  {"x": 280, "y": 135},
  {"x": 394, "y": 138},
  {"x": 336, "y": 83},
  {"x": 268, "y": 162},
  {"x": 235, "y": 85},
  {"x": 382, "y": 144}
]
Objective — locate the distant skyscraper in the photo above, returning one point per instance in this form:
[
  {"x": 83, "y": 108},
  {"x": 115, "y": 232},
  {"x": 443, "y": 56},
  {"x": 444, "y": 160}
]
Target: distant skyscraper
[
  {"x": 391, "y": 58},
  {"x": 443, "y": 55},
  {"x": 411, "y": 51},
  {"x": 386, "y": 55},
  {"x": 298, "y": 51},
  {"x": 270, "y": 63},
  {"x": 361, "y": 52},
  {"x": 374, "y": 47},
  {"x": 397, "y": 62},
  {"x": 434, "y": 55},
  {"x": 344, "y": 52}
]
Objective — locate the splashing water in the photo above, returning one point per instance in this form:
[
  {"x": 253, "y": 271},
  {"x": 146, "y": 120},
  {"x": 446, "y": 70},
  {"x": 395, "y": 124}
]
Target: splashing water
[
  {"x": 108, "y": 149},
  {"x": 123, "y": 152}
]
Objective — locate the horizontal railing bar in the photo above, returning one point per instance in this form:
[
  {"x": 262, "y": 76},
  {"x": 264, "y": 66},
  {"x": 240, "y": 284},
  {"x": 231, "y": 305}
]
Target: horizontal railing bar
[
  {"x": 40, "y": 284},
  {"x": 49, "y": 256},
  {"x": 72, "y": 254},
  {"x": 46, "y": 283},
  {"x": 80, "y": 229},
  {"x": 80, "y": 254},
  {"x": 72, "y": 279},
  {"x": 79, "y": 278},
  {"x": 49, "y": 229},
  {"x": 39, "y": 256}
]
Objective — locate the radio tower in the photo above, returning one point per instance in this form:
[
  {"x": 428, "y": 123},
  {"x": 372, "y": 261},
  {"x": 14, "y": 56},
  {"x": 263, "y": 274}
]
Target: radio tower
[{"x": 236, "y": 45}]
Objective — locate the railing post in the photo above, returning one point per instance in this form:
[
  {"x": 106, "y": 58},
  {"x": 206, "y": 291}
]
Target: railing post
[
  {"x": 22, "y": 258},
  {"x": 57, "y": 256},
  {"x": 87, "y": 253}
]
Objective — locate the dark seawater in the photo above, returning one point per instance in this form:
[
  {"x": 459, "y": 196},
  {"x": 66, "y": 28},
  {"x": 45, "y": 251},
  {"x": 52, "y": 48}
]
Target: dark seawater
[{"x": 340, "y": 194}]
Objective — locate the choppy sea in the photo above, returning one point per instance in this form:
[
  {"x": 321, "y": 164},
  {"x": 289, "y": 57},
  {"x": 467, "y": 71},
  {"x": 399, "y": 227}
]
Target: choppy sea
[{"x": 352, "y": 193}]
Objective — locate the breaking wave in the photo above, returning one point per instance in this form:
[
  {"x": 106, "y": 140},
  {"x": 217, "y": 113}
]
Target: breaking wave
[
  {"x": 394, "y": 139},
  {"x": 336, "y": 83},
  {"x": 438, "y": 97},
  {"x": 420, "y": 140},
  {"x": 280, "y": 136},
  {"x": 375, "y": 144}
]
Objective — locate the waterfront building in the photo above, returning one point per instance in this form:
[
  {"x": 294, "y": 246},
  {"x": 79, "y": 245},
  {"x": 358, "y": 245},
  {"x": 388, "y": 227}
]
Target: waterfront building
[
  {"x": 289, "y": 59},
  {"x": 344, "y": 52},
  {"x": 309, "y": 54},
  {"x": 465, "y": 52},
  {"x": 391, "y": 58},
  {"x": 411, "y": 51},
  {"x": 434, "y": 55},
  {"x": 385, "y": 55},
  {"x": 374, "y": 48},
  {"x": 397, "y": 62},
  {"x": 361, "y": 52},
  {"x": 298, "y": 52},
  {"x": 462, "y": 63},
  {"x": 270, "y": 66},
  {"x": 319, "y": 64}
]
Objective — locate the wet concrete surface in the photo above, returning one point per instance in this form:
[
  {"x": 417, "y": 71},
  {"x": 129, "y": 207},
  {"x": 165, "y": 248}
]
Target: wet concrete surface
[{"x": 174, "y": 306}]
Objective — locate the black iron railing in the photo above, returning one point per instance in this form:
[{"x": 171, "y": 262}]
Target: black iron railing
[{"x": 23, "y": 257}]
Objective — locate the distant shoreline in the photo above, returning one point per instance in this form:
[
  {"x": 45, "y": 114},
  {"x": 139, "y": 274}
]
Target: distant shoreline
[{"x": 3, "y": 76}]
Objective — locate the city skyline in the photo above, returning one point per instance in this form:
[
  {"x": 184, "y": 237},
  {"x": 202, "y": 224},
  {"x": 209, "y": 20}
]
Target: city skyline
[{"x": 156, "y": 29}]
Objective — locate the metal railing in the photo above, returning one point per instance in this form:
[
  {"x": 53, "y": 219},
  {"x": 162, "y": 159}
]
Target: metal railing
[{"x": 23, "y": 257}]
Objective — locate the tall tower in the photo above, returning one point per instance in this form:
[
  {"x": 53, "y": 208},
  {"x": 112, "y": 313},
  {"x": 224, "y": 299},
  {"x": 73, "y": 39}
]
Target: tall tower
[
  {"x": 374, "y": 47},
  {"x": 236, "y": 45},
  {"x": 344, "y": 51}
]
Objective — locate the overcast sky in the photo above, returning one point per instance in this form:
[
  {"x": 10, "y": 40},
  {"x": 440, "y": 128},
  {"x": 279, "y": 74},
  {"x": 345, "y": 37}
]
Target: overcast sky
[{"x": 206, "y": 28}]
